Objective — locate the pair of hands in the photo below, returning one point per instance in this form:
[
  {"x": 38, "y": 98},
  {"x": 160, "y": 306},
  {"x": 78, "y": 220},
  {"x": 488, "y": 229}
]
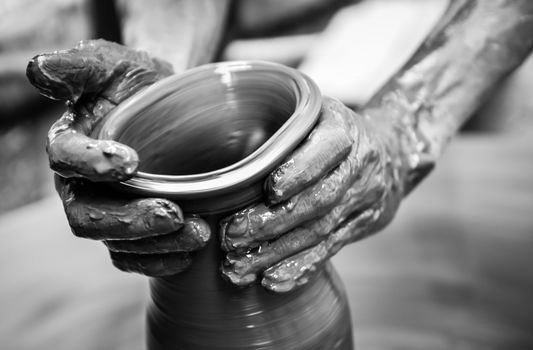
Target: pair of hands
[{"x": 344, "y": 182}]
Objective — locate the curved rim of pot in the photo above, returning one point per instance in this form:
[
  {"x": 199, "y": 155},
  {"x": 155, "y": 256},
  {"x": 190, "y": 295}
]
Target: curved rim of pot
[{"x": 251, "y": 168}]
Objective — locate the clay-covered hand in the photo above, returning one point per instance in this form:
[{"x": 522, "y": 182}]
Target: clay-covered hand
[
  {"x": 343, "y": 183},
  {"x": 145, "y": 235}
]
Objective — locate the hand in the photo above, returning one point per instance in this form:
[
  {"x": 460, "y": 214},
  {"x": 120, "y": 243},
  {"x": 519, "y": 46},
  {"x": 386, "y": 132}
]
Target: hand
[
  {"x": 148, "y": 235},
  {"x": 316, "y": 205},
  {"x": 342, "y": 184}
]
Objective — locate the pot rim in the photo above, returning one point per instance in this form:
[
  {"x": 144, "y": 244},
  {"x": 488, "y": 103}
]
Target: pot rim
[{"x": 254, "y": 166}]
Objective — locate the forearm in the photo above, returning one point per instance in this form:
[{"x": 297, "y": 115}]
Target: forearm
[
  {"x": 476, "y": 44},
  {"x": 184, "y": 32}
]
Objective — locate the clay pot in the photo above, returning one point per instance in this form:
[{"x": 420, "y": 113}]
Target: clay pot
[{"x": 207, "y": 139}]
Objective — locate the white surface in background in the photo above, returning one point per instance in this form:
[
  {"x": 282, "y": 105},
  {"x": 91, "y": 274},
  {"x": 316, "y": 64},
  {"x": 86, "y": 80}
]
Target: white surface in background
[
  {"x": 283, "y": 49},
  {"x": 364, "y": 44}
]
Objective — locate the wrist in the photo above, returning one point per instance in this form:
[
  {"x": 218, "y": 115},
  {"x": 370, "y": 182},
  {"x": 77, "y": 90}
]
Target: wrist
[{"x": 408, "y": 149}]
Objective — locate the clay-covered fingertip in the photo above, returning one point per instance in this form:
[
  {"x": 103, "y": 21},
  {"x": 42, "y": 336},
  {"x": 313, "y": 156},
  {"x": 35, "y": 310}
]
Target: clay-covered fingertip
[
  {"x": 202, "y": 229},
  {"x": 281, "y": 283},
  {"x": 42, "y": 72},
  {"x": 235, "y": 235},
  {"x": 236, "y": 225},
  {"x": 237, "y": 279},
  {"x": 278, "y": 286},
  {"x": 119, "y": 161},
  {"x": 37, "y": 78},
  {"x": 73, "y": 154},
  {"x": 196, "y": 232}
]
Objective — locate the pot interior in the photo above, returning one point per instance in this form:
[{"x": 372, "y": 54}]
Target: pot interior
[{"x": 210, "y": 122}]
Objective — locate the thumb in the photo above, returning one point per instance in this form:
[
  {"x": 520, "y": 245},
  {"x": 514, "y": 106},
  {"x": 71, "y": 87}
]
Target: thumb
[
  {"x": 94, "y": 67},
  {"x": 104, "y": 74}
]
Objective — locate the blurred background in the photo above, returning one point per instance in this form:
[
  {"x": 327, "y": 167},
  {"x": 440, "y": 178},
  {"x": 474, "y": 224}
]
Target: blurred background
[{"x": 453, "y": 271}]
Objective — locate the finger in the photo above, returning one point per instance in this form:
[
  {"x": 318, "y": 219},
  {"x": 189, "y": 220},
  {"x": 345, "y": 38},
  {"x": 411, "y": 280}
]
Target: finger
[
  {"x": 299, "y": 268},
  {"x": 367, "y": 208},
  {"x": 194, "y": 235},
  {"x": 241, "y": 269},
  {"x": 91, "y": 67},
  {"x": 328, "y": 144},
  {"x": 72, "y": 154},
  {"x": 154, "y": 265},
  {"x": 364, "y": 166},
  {"x": 249, "y": 227},
  {"x": 91, "y": 214}
]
